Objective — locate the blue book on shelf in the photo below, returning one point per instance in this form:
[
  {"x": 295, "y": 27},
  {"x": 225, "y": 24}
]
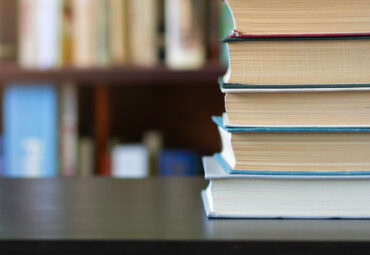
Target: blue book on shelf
[
  {"x": 178, "y": 163},
  {"x": 30, "y": 130}
]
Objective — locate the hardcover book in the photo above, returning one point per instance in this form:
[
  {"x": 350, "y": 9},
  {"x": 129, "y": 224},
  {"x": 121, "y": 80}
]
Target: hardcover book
[
  {"x": 306, "y": 17},
  {"x": 289, "y": 196},
  {"x": 298, "y": 150},
  {"x": 292, "y": 61},
  {"x": 344, "y": 107}
]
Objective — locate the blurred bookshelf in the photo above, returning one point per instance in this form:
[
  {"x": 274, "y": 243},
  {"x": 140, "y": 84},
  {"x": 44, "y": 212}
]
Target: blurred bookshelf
[{"x": 161, "y": 101}]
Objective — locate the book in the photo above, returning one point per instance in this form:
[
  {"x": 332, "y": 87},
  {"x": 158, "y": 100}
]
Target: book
[
  {"x": 118, "y": 32},
  {"x": 276, "y": 196},
  {"x": 8, "y": 30},
  {"x": 130, "y": 161},
  {"x": 308, "y": 107},
  {"x": 298, "y": 60},
  {"x": 185, "y": 41},
  {"x": 47, "y": 27},
  {"x": 143, "y": 25},
  {"x": 266, "y": 17},
  {"x": 66, "y": 33},
  {"x": 30, "y": 130},
  {"x": 84, "y": 33},
  {"x": 27, "y": 34},
  {"x": 295, "y": 150},
  {"x": 178, "y": 163},
  {"x": 103, "y": 57},
  {"x": 68, "y": 129},
  {"x": 86, "y": 157},
  {"x": 101, "y": 132}
]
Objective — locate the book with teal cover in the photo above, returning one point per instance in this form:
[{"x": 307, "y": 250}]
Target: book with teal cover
[
  {"x": 218, "y": 120},
  {"x": 30, "y": 130}
]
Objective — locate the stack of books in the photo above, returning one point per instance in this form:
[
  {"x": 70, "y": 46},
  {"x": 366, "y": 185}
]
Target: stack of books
[{"x": 296, "y": 132}]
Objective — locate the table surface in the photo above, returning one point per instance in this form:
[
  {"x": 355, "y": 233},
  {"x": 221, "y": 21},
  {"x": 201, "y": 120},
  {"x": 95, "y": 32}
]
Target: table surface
[{"x": 142, "y": 209}]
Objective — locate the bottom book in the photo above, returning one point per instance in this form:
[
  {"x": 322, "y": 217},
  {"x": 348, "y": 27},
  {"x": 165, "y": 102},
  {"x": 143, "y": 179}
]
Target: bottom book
[{"x": 279, "y": 196}]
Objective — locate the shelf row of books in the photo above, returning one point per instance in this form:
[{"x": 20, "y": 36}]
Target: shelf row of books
[
  {"x": 296, "y": 131},
  {"x": 41, "y": 138},
  {"x": 100, "y": 33}
]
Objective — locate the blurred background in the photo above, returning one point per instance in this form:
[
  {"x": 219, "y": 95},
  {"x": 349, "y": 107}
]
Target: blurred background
[{"x": 122, "y": 88}]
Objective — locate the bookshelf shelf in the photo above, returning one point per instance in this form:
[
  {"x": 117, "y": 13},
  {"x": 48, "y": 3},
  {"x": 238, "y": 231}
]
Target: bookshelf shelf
[{"x": 127, "y": 75}]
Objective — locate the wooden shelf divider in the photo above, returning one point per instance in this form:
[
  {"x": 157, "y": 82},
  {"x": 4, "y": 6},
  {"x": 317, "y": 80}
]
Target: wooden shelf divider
[{"x": 114, "y": 75}]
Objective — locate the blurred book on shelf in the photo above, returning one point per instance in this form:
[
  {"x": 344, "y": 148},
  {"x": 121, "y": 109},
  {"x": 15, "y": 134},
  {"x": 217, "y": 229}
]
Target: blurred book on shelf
[
  {"x": 68, "y": 130},
  {"x": 178, "y": 162},
  {"x": 86, "y": 157},
  {"x": 8, "y": 30},
  {"x": 185, "y": 33},
  {"x": 130, "y": 161},
  {"x": 30, "y": 130}
]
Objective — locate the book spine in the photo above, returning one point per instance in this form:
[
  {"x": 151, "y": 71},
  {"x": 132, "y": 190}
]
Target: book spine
[
  {"x": 30, "y": 127},
  {"x": 8, "y": 30},
  {"x": 102, "y": 33},
  {"x": 66, "y": 34},
  {"x": 84, "y": 38},
  {"x": 27, "y": 33},
  {"x": 185, "y": 42},
  {"x": 143, "y": 32},
  {"x": 47, "y": 27},
  {"x": 118, "y": 39},
  {"x": 68, "y": 130}
]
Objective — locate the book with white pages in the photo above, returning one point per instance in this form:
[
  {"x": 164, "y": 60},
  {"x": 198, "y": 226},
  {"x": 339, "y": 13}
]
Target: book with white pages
[{"x": 284, "y": 196}]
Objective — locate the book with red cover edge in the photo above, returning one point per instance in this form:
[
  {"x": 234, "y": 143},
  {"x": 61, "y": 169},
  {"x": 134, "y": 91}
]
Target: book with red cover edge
[{"x": 237, "y": 34}]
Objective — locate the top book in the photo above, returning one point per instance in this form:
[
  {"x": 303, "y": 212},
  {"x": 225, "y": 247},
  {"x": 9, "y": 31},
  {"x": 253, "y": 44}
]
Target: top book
[{"x": 274, "y": 17}]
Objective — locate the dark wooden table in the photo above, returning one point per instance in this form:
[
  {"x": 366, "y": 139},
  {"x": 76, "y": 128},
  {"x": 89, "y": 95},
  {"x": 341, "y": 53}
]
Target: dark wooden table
[{"x": 112, "y": 216}]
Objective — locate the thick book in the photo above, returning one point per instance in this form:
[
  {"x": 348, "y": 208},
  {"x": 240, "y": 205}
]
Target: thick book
[
  {"x": 292, "y": 61},
  {"x": 301, "y": 150},
  {"x": 269, "y": 17},
  {"x": 314, "y": 107},
  {"x": 30, "y": 130},
  {"x": 273, "y": 196}
]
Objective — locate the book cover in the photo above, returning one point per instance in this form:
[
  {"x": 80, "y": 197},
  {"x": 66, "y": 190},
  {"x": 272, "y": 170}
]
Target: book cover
[
  {"x": 227, "y": 87},
  {"x": 30, "y": 130}
]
